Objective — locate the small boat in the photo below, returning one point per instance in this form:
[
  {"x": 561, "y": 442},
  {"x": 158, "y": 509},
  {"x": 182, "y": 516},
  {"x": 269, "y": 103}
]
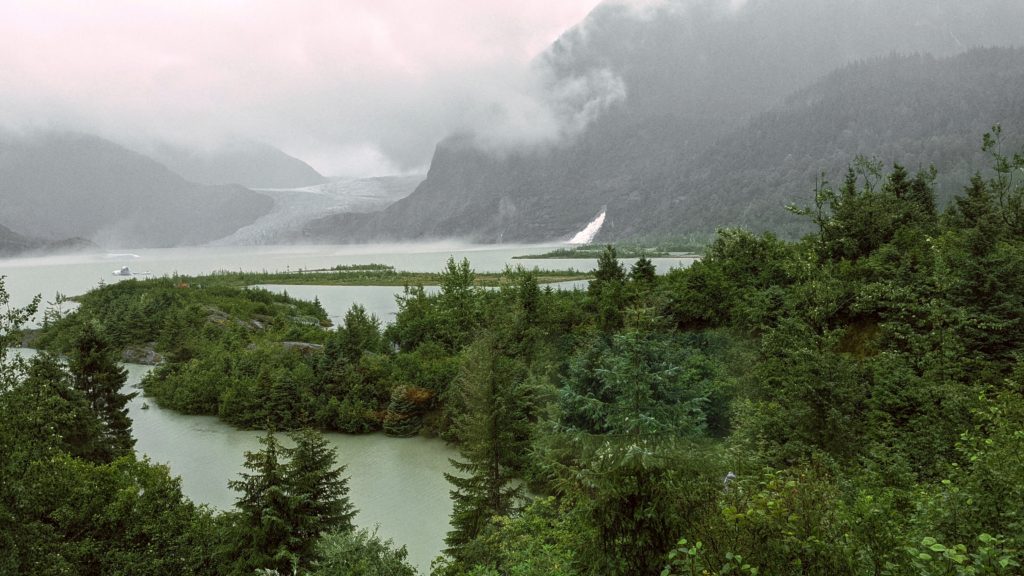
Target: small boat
[{"x": 125, "y": 271}]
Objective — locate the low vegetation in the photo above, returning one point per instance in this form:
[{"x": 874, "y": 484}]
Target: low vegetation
[{"x": 368, "y": 275}]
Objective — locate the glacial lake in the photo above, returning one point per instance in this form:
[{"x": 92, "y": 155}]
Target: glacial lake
[
  {"x": 397, "y": 484},
  {"x": 73, "y": 274}
]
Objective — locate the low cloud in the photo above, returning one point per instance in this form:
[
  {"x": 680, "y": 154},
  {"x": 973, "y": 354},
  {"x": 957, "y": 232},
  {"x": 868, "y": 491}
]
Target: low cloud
[
  {"x": 543, "y": 109},
  {"x": 356, "y": 87},
  {"x": 361, "y": 86}
]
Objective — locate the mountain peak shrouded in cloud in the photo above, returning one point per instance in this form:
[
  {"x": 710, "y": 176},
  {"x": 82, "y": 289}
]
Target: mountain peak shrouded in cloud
[
  {"x": 354, "y": 87},
  {"x": 660, "y": 83},
  {"x": 251, "y": 164},
  {"x": 56, "y": 185}
]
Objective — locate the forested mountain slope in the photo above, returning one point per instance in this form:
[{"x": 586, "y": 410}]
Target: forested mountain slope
[
  {"x": 652, "y": 90},
  {"x": 917, "y": 111},
  {"x": 56, "y": 185}
]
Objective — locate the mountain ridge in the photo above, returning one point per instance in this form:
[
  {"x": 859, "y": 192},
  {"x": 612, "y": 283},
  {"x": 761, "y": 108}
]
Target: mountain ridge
[
  {"x": 251, "y": 164},
  {"x": 67, "y": 184},
  {"x": 693, "y": 76}
]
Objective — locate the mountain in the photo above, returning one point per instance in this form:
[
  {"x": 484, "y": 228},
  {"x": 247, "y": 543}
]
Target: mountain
[
  {"x": 918, "y": 111},
  {"x": 690, "y": 75},
  {"x": 14, "y": 244},
  {"x": 250, "y": 164},
  {"x": 58, "y": 185}
]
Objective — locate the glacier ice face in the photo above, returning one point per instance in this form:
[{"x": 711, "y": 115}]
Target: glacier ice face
[{"x": 586, "y": 236}]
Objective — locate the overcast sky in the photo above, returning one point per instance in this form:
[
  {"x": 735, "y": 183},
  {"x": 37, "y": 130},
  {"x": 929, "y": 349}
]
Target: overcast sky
[{"x": 355, "y": 87}]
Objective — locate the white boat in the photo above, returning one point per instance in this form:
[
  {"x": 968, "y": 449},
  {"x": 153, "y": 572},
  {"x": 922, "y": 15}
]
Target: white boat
[{"x": 125, "y": 271}]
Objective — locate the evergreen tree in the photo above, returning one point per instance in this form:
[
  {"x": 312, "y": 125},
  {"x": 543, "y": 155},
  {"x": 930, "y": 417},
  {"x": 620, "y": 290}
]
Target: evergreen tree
[
  {"x": 59, "y": 414},
  {"x": 643, "y": 271},
  {"x": 264, "y": 536},
  {"x": 624, "y": 407},
  {"x": 289, "y": 498},
  {"x": 318, "y": 491},
  {"x": 403, "y": 417},
  {"x": 492, "y": 436},
  {"x": 457, "y": 305},
  {"x": 97, "y": 374},
  {"x": 607, "y": 291},
  {"x": 359, "y": 334},
  {"x": 922, "y": 194}
]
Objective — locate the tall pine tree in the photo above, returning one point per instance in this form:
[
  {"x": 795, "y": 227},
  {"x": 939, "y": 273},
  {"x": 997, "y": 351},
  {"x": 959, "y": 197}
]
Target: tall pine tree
[
  {"x": 263, "y": 534},
  {"x": 319, "y": 492},
  {"x": 289, "y": 498},
  {"x": 96, "y": 373},
  {"x": 493, "y": 442}
]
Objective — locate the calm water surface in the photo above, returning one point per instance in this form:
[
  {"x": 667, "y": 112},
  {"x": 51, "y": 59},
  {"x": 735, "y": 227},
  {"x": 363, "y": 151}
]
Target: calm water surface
[{"x": 73, "y": 274}]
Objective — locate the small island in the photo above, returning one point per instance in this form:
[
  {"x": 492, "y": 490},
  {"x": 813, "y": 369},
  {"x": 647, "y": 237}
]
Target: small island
[{"x": 368, "y": 275}]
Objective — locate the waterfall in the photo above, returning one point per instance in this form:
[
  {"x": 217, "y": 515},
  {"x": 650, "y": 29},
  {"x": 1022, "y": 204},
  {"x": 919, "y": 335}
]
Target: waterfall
[{"x": 586, "y": 236}]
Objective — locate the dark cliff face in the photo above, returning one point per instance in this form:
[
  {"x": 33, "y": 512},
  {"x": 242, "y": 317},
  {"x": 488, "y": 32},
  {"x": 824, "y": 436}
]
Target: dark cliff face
[
  {"x": 59, "y": 185},
  {"x": 692, "y": 77}
]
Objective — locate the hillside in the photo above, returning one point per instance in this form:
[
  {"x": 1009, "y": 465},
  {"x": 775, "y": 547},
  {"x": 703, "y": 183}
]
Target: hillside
[
  {"x": 690, "y": 77},
  {"x": 59, "y": 185},
  {"x": 250, "y": 164},
  {"x": 917, "y": 111},
  {"x": 14, "y": 244}
]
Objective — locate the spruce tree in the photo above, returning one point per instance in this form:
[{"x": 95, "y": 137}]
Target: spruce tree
[
  {"x": 264, "y": 535},
  {"x": 493, "y": 442},
  {"x": 607, "y": 291},
  {"x": 403, "y": 417},
  {"x": 97, "y": 374},
  {"x": 289, "y": 498},
  {"x": 318, "y": 489}
]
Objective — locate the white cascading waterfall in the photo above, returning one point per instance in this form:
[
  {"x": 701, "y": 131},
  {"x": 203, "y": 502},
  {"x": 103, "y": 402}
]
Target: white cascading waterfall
[{"x": 586, "y": 236}]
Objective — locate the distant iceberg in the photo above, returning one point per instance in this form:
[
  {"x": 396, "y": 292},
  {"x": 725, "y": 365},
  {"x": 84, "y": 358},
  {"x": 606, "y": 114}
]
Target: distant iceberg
[{"x": 586, "y": 236}]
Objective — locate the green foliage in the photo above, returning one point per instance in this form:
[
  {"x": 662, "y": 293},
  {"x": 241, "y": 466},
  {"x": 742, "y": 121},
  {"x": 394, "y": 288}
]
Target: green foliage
[
  {"x": 493, "y": 439},
  {"x": 607, "y": 291},
  {"x": 285, "y": 506},
  {"x": 263, "y": 535},
  {"x": 931, "y": 558},
  {"x": 95, "y": 373},
  {"x": 540, "y": 541},
  {"x": 687, "y": 560},
  {"x": 360, "y": 553},
  {"x": 117, "y": 518},
  {"x": 319, "y": 490}
]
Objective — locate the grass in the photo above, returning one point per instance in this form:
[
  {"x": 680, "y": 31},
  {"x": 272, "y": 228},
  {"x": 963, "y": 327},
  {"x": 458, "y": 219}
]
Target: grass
[{"x": 367, "y": 275}]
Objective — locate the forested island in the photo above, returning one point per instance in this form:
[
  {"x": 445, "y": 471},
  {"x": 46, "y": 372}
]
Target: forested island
[
  {"x": 848, "y": 403},
  {"x": 366, "y": 275}
]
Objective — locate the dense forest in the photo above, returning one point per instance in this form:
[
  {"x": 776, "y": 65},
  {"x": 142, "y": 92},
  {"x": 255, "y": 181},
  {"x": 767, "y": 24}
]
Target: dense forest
[{"x": 849, "y": 403}]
